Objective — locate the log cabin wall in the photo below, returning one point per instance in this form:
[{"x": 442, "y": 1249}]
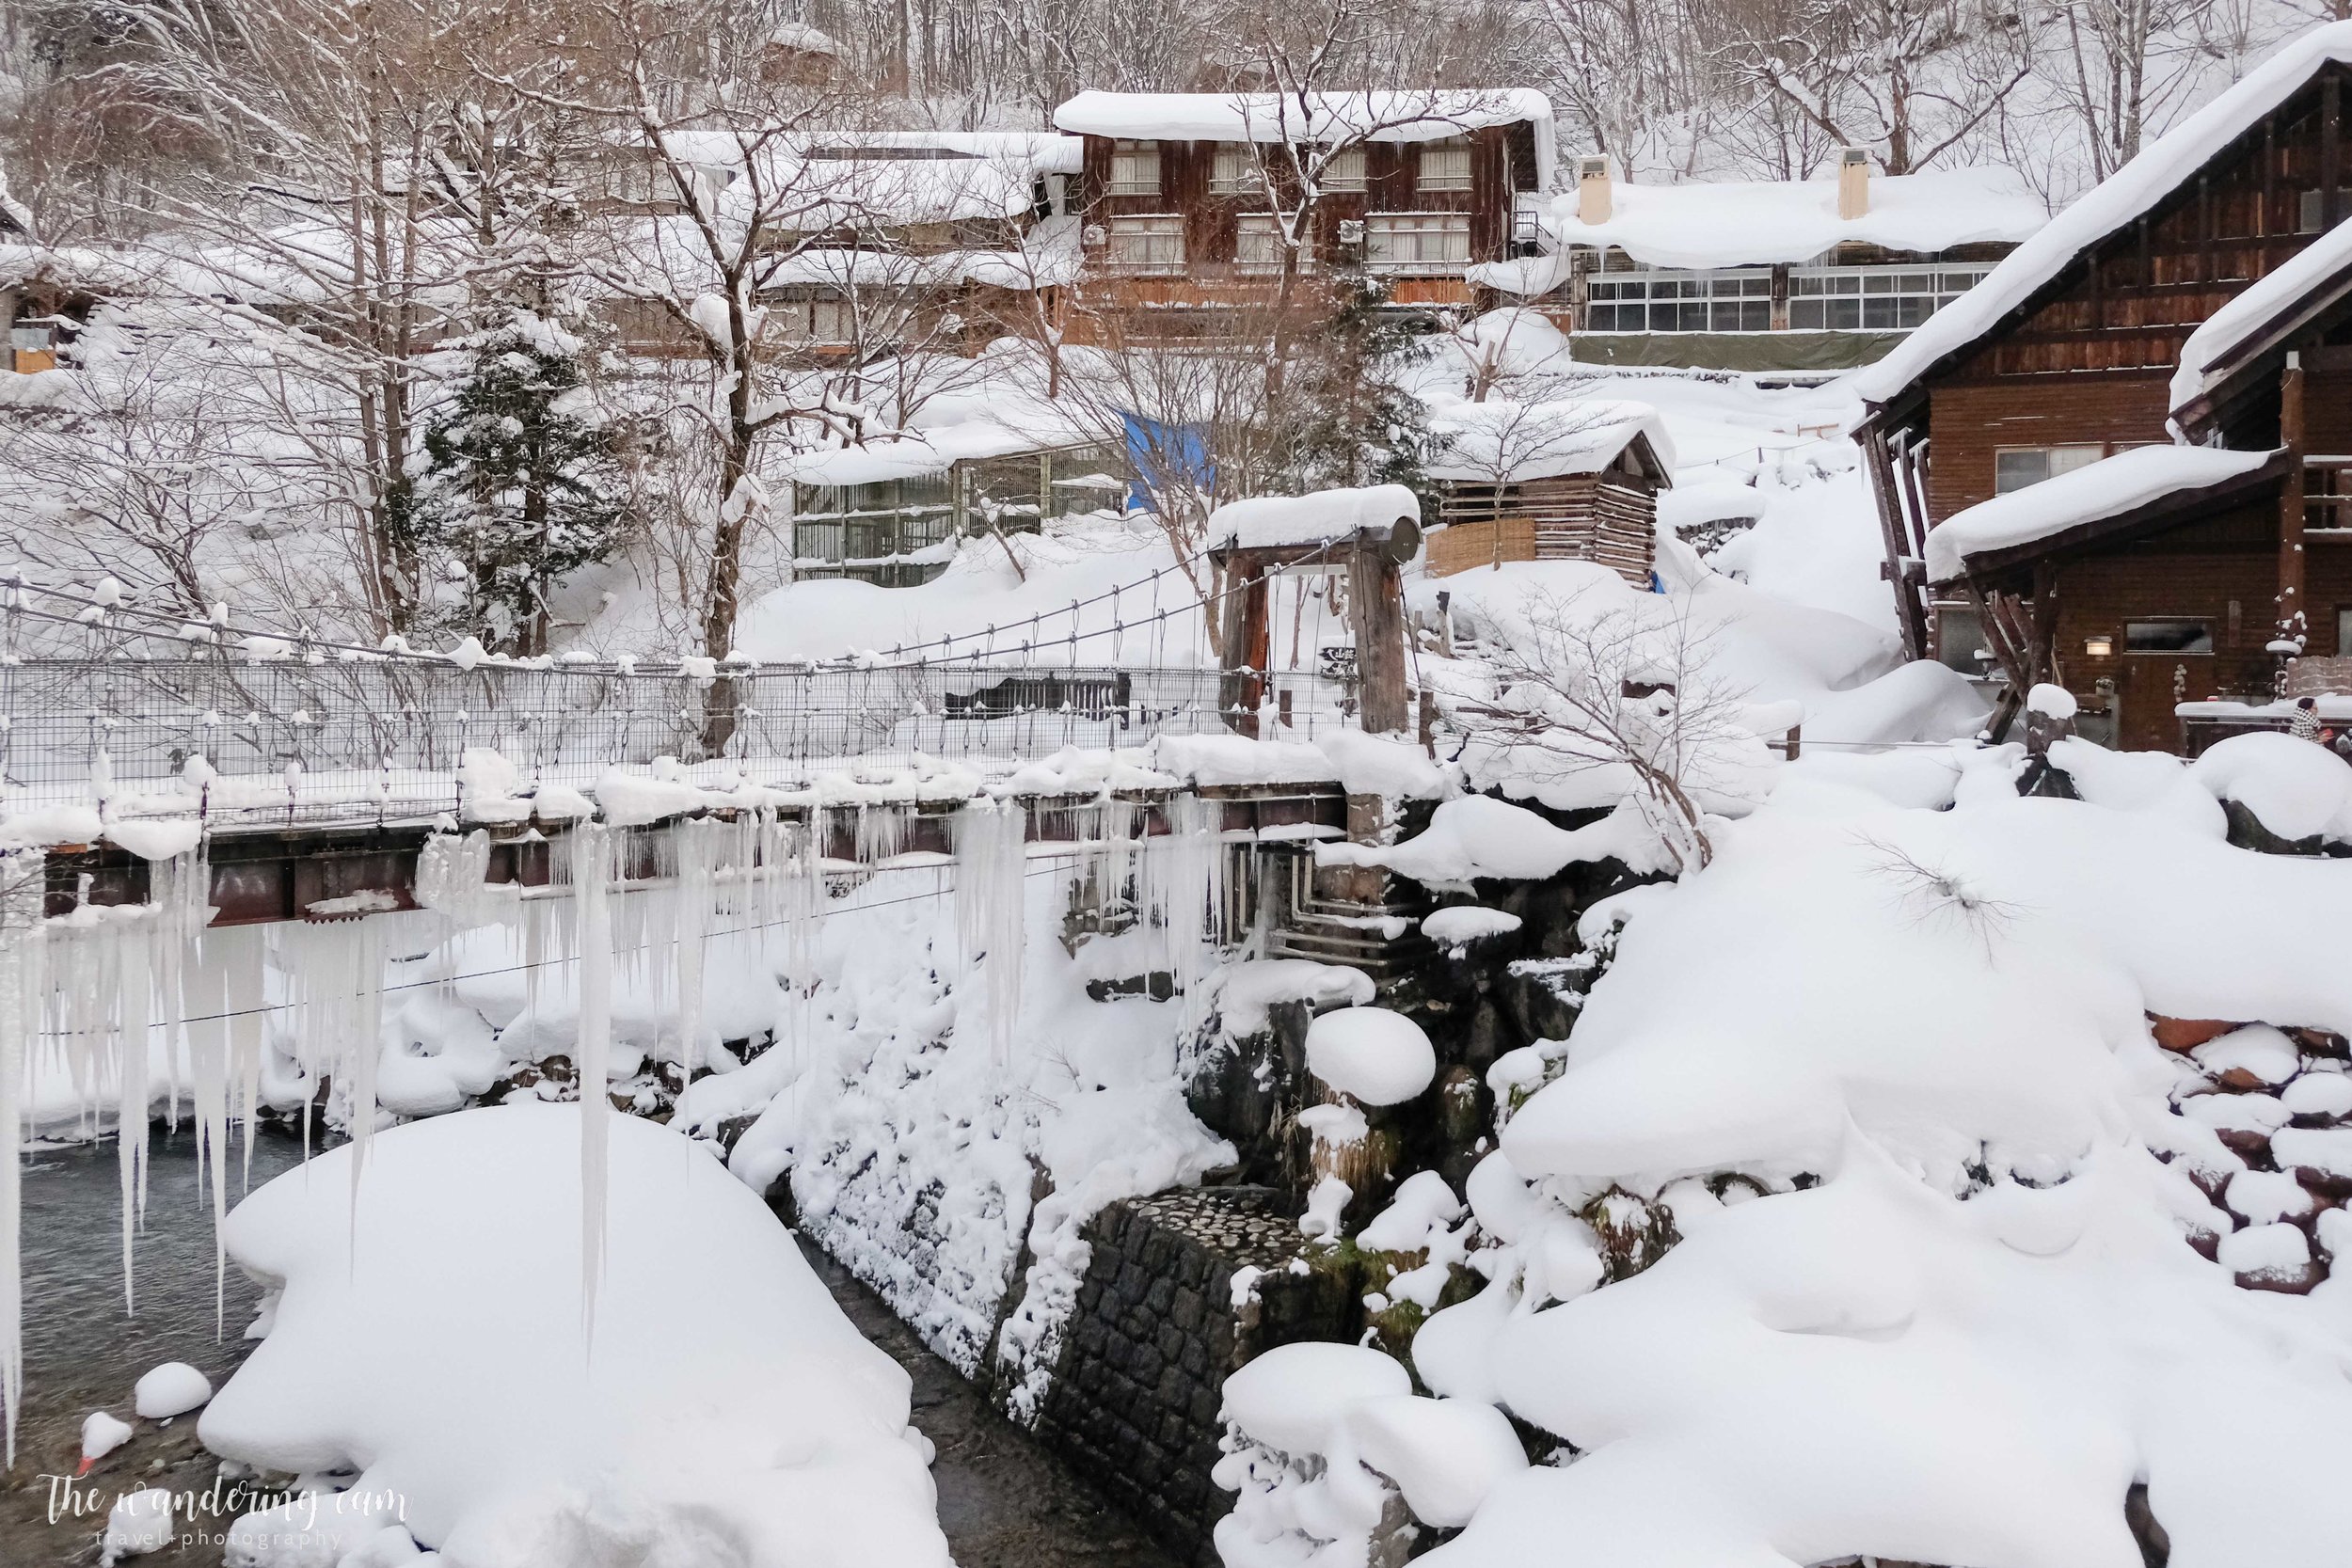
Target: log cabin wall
[{"x": 1574, "y": 517}]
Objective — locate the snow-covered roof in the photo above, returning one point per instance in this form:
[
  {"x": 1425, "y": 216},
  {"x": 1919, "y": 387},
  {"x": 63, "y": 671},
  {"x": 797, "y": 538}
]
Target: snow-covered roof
[
  {"x": 1502, "y": 442},
  {"x": 914, "y": 454},
  {"x": 1757, "y": 223},
  {"x": 2107, "y": 488},
  {"x": 2274, "y": 300},
  {"x": 1413, "y": 114},
  {"x": 1278, "y": 522},
  {"x": 2113, "y": 205},
  {"x": 824, "y": 179}
]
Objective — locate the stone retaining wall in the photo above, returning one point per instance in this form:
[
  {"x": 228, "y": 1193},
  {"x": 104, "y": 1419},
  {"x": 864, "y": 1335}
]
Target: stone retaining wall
[{"x": 1134, "y": 1404}]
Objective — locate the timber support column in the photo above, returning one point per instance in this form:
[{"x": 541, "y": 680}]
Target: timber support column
[
  {"x": 1375, "y": 603},
  {"x": 1246, "y": 640},
  {"x": 2294, "y": 626}
]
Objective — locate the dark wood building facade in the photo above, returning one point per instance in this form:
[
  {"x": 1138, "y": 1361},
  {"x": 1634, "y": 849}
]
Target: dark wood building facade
[
  {"x": 1179, "y": 230},
  {"x": 2069, "y": 359}
]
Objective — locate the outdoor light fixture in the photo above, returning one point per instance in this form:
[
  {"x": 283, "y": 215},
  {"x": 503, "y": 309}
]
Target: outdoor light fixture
[{"x": 2098, "y": 647}]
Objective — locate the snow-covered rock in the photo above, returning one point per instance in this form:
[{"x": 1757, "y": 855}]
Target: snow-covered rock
[
  {"x": 1378, "y": 1057},
  {"x": 432, "y": 1336},
  {"x": 1293, "y": 1397},
  {"x": 2295, "y": 789},
  {"x": 173, "y": 1388}
]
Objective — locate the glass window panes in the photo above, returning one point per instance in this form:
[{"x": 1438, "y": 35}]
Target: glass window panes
[
  {"x": 32, "y": 336},
  {"x": 1135, "y": 169},
  {"x": 1148, "y": 243},
  {"x": 1737, "y": 301},
  {"x": 1235, "y": 170},
  {"x": 2015, "y": 468},
  {"x": 1417, "y": 241},
  {"x": 1873, "y": 299},
  {"x": 1345, "y": 171},
  {"x": 1445, "y": 165},
  {"x": 2307, "y": 209},
  {"x": 1260, "y": 241},
  {"x": 2172, "y": 636}
]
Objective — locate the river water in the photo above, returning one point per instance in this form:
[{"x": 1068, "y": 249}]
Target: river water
[{"x": 1005, "y": 1502}]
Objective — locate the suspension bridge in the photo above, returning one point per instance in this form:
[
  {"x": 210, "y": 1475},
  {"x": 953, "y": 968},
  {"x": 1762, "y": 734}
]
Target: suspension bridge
[{"x": 315, "y": 771}]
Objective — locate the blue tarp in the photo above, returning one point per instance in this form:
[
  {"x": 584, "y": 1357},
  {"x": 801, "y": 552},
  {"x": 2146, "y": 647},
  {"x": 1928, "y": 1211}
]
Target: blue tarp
[{"x": 1162, "y": 456}]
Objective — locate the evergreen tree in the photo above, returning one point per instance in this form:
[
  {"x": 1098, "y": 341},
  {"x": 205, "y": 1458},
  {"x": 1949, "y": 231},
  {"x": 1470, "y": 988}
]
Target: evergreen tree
[
  {"x": 519, "y": 488},
  {"x": 1353, "y": 421}
]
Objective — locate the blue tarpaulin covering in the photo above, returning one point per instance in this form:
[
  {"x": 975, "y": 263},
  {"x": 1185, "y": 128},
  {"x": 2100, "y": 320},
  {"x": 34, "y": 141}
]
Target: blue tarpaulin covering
[{"x": 1165, "y": 456}]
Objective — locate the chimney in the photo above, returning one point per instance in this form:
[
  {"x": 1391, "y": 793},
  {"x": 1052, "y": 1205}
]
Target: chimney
[
  {"x": 1853, "y": 183},
  {"x": 1592, "y": 195}
]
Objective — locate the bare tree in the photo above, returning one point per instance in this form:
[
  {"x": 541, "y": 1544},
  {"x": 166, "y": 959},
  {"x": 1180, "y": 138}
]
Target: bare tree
[{"x": 1588, "y": 687}]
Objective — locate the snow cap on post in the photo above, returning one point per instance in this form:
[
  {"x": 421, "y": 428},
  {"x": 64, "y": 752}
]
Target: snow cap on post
[{"x": 1383, "y": 512}]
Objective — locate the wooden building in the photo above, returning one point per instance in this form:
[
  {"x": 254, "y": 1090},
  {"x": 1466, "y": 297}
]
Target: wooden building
[
  {"x": 2204, "y": 577},
  {"x": 1187, "y": 199},
  {"x": 1815, "y": 274},
  {"x": 2064, "y": 357},
  {"x": 881, "y": 239},
  {"x": 891, "y": 512},
  {"x": 1549, "y": 481}
]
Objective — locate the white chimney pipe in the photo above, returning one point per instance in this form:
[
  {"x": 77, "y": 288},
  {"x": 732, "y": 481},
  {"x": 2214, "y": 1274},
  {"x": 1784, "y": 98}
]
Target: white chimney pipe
[
  {"x": 1593, "y": 198},
  {"x": 1853, "y": 183}
]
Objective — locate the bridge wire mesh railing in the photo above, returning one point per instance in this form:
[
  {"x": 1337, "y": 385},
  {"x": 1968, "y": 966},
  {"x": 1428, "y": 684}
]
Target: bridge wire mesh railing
[{"x": 313, "y": 739}]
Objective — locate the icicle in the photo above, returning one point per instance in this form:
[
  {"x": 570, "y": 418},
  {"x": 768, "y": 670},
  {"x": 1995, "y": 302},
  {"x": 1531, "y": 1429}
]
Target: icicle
[
  {"x": 208, "y": 1052},
  {"x": 991, "y": 908},
  {"x": 700, "y": 844},
  {"x": 1188, "y": 900},
  {"x": 131, "y": 1075},
  {"x": 362, "y": 1050},
  {"x": 22, "y": 885},
  {"x": 591, "y": 870}
]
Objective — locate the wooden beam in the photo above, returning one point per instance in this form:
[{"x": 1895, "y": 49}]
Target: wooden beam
[
  {"x": 1375, "y": 603},
  {"x": 2330, "y": 146},
  {"x": 2292, "y": 621}
]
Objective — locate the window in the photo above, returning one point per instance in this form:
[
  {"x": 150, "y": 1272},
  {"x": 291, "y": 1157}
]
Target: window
[
  {"x": 2015, "y": 468},
  {"x": 1959, "y": 639},
  {"x": 1258, "y": 245},
  {"x": 1345, "y": 170},
  {"x": 1147, "y": 244},
  {"x": 1417, "y": 241},
  {"x": 1445, "y": 165},
  {"x": 1235, "y": 172},
  {"x": 2307, "y": 209},
  {"x": 1873, "y": 299},
  {"x": 1680, "y": 302},
  {"x": 1135, "y": 169},
  {"x": 2173, "y": 635}
]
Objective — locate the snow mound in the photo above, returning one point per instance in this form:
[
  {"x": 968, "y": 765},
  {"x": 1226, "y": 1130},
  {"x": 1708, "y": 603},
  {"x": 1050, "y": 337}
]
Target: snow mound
[
  {"x": 1244, "y": 991},
  {"x": 1293, "y": 1397},
  {"x": 1445, "y": 1455},
  {"x": 2295, "y": 789},
  {"x": 1459, "y": 924},
  {"x": 439, "y": 1351},
  {"x": 1378, "y": 1057},
  {"x": 139, "y": 1522},
  {"x": 102, "y": 1433},
  {"x": 172, "y": 1389},
  {"x": 1481, "y": 837}
]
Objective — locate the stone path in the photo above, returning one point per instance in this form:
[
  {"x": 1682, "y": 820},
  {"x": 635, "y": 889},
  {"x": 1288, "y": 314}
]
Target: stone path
[{"x": 1004, "y": 1501}]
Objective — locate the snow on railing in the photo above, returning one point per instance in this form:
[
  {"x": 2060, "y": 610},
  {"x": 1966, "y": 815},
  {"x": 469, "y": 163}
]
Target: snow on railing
[{"x": 101, "y": 704}]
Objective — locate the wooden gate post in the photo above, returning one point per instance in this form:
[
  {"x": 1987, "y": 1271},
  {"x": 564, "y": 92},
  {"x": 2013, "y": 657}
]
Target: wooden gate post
[{"x": 1375, "y": 594}]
